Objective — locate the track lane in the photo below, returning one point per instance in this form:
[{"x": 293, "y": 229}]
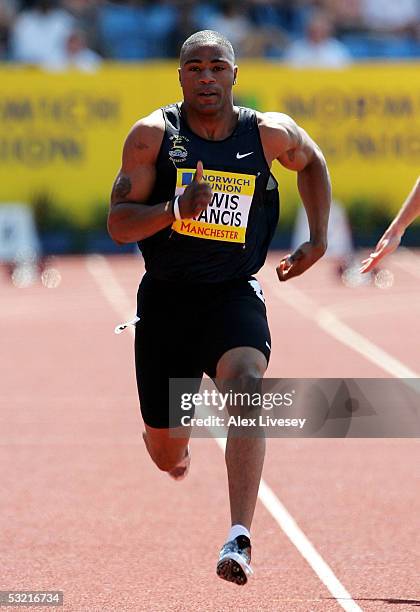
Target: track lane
[
  {"x": 98, "y": 268},
  {"x": 369, "y": 485},
  {"x": 62, "y": 530},
  {"x": 84, "y": 510}
]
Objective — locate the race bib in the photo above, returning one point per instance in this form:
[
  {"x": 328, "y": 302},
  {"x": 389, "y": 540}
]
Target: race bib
[{"x": 226, "y": 217}]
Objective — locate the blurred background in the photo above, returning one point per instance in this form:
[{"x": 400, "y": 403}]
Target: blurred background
[{"x": 76, "y": 74}]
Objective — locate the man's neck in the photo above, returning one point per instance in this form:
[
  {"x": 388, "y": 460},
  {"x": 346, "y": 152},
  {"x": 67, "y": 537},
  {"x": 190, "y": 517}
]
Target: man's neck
[{"x": 211, "y": 127}]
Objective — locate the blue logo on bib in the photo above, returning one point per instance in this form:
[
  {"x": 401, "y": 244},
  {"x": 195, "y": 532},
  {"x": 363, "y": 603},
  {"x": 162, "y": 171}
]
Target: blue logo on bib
[{"x": 187, "y": 178}]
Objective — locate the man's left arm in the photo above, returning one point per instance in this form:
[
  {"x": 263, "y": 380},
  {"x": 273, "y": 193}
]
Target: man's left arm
[{"x": 293, "y": 148}]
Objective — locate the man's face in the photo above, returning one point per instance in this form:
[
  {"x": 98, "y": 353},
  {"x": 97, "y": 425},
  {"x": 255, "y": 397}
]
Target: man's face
[{"x": 206, "y": 75}]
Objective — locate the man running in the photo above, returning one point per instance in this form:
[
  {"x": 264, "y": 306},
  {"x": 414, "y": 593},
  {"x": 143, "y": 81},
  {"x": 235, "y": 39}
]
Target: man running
[
  {"x": 195, "y": 191},
  {"x": 392, "y": 236}
]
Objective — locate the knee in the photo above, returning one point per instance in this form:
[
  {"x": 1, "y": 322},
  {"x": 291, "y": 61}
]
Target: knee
[
  {"x": 247, "y": 372},
  {"x": 244, "y": 377},
  {"x": 248, "y": 382},
  {"x": 245, "y": 365},
  {"x": 239, "y": 368}
]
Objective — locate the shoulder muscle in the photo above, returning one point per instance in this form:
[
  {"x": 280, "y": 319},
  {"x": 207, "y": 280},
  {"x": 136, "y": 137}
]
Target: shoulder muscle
[
  {"x": 285, "y": 141},
  {"x": 143, "y": 141}
]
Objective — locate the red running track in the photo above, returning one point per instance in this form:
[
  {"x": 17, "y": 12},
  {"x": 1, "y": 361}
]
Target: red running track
[{"x": 84, "y": 510}]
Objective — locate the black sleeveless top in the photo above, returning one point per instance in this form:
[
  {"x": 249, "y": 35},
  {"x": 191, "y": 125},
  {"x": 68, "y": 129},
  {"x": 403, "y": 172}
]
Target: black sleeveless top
[{"x": 230, "y": 239}]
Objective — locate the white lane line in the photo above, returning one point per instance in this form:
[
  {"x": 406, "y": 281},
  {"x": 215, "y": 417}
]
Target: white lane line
[
  {"x": 377, "y": 305},
  {"x": 105, "y": 278},
  {"x": 288, "y": 525},
  {"x": 331, "y": 324}
]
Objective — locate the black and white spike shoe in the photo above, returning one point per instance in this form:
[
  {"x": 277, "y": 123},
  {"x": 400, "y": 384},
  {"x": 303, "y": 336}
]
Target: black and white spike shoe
[{"x": 234, "y": 561}]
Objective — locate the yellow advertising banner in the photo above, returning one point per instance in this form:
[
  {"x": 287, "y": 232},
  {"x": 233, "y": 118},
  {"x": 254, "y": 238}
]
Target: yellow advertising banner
[{"x": 61, "y": 135}]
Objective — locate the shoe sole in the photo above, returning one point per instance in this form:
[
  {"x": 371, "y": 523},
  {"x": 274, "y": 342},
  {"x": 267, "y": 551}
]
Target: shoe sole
[{"x": 233, "y": 569}]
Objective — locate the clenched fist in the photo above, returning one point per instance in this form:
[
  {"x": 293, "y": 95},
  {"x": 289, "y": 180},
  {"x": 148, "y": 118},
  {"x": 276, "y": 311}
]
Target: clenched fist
[{"x": 300, "y": 260}]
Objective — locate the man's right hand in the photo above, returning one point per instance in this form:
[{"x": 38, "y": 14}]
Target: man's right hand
[{"x": 196, "y": 197}]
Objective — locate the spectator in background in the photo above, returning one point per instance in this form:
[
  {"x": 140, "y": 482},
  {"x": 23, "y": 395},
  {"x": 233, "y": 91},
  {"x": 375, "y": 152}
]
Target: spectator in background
[
  {"x": 76, "y": 55},
  {"x": 378, "y": 28},
  {"x": 40, "y": 34},
  {"x": 7, "y": 15},
  {"x": 136, "y": 30},
  {"x": 185, "y": 25},
  {"x": 85, "y": 14},
  {"x": 233, "y": 21},
  {"x": 319, "y": 49},
  {"x": 161, "y": 20},
  {"x": 286, "y": 16},
  {"x": 392, "y": 16},
  {"x": 346, "y": 15},
  {"x": 120, "y": 32}
]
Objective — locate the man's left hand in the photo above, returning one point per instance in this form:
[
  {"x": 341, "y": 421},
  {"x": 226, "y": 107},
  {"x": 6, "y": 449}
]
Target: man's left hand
[{"x": 300, "y": 260}]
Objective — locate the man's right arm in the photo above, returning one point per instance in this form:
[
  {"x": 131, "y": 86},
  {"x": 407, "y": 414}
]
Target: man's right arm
[{"x": 129, "y": 220}]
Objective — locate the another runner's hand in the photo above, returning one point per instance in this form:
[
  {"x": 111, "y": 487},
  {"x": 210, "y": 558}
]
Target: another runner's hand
[
  {"x": 387, "y": 244},
  {"x": 300, "y": 260},
  {"x": 196, "y": 197}
]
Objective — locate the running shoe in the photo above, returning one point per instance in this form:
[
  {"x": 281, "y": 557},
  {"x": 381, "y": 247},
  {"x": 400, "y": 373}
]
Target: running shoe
[{"x": 234, "y": 561}]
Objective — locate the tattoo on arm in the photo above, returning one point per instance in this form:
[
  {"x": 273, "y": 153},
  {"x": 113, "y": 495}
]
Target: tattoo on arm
[{"x": 122, "y": 187}]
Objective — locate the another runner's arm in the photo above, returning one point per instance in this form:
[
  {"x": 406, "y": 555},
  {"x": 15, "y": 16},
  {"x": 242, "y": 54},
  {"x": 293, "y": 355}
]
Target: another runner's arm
[
  {"x": 409, "y": 210},
  {"x": 293, "y": 148},
  {"x": 391, "y": 239},
  {"x": 129, "y": 219}
]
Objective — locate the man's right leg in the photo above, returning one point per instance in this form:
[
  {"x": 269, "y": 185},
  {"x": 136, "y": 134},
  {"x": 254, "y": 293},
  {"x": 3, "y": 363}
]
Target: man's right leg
[
  {"x": 166, "y": 442},
  {"x": 162, "y": 352}
]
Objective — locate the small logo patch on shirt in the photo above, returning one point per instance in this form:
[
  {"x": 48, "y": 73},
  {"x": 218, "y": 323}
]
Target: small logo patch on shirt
[{"x": 178, "y": 152}]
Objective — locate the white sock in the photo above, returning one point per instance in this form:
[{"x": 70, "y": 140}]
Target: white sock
[{"x": 238, "y": 530}]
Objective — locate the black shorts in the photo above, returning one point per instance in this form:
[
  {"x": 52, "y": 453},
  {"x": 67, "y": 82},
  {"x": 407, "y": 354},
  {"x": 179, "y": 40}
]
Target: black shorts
[{"x": 183, "y": 331}]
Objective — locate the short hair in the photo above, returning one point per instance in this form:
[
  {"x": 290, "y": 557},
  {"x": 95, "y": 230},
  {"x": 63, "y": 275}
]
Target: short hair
[{"x": 206, "y": 37}]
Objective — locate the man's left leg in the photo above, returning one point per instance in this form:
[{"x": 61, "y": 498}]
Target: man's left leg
[
  {"x": 236, "y": 347},
  {"x": 244, "y": 367},
  {"x": 244, "y": 454}
]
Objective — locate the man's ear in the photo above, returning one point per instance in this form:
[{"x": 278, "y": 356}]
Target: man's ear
[
  {"x": 235, "y": 74},
  {"x": 179, "y": 76}
]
